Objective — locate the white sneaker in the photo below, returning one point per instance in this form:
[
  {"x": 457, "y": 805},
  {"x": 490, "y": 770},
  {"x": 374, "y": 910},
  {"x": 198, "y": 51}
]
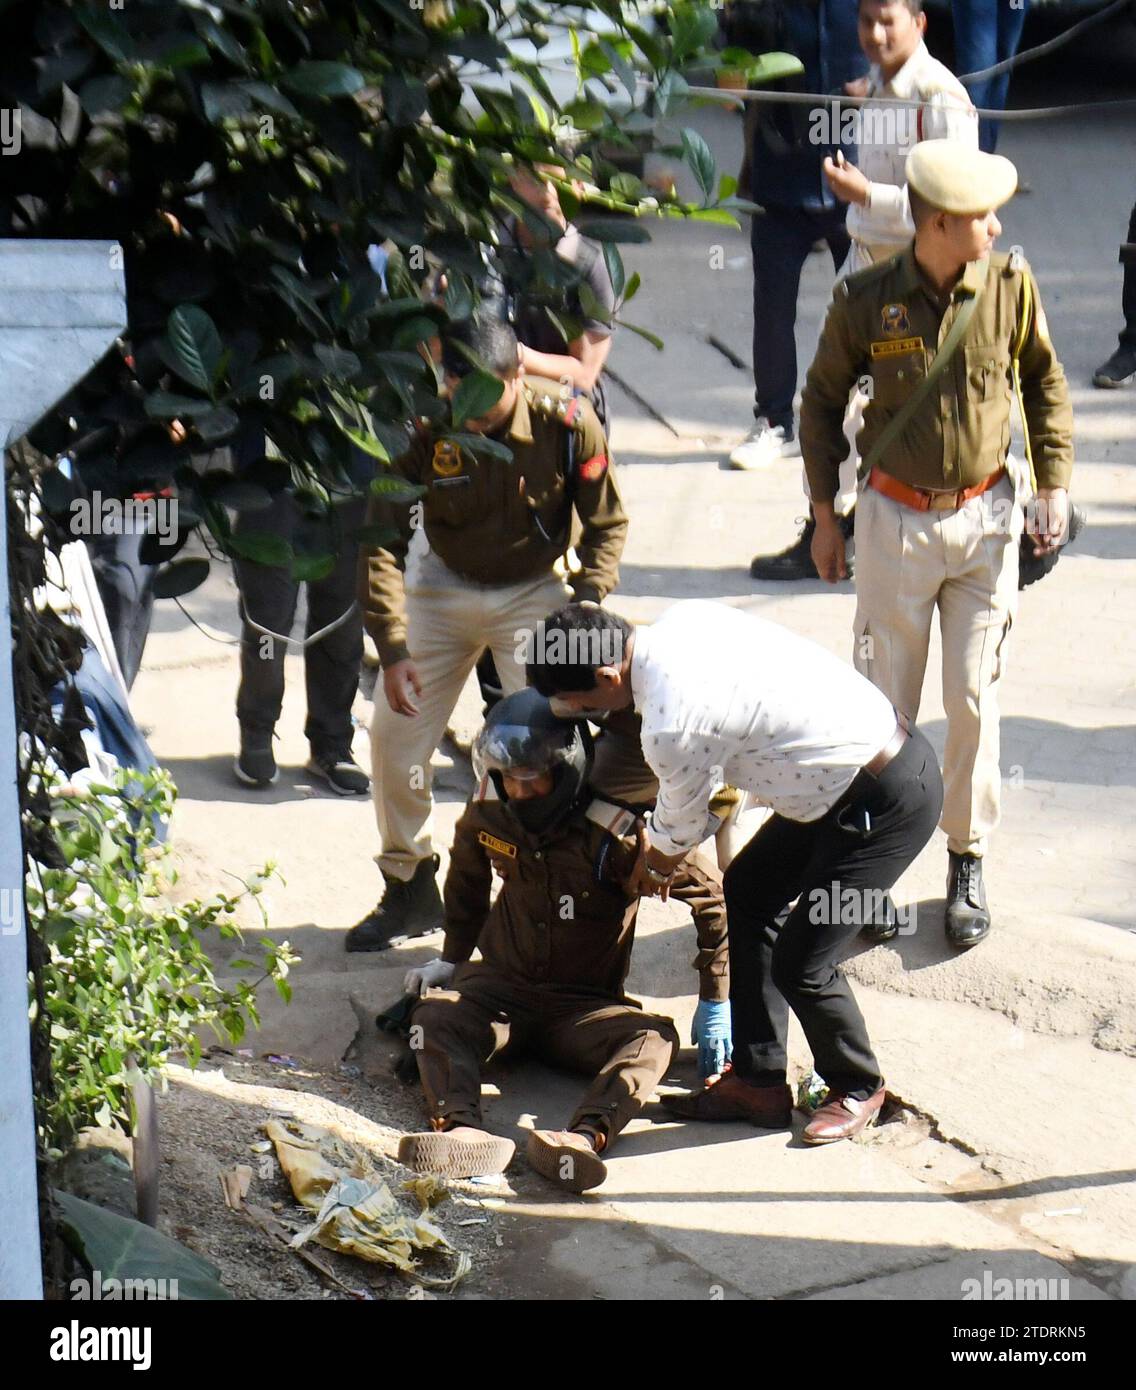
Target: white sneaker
[{"x": 764, "y": 444}]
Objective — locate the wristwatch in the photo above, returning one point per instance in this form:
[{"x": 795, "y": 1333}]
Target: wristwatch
[{"x": 656, "y": 876}]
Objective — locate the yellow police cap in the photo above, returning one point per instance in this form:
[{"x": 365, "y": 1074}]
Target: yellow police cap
[{"x": 955, "y": 177}]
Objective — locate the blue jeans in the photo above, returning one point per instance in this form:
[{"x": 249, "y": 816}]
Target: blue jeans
[{"x": 987, "y": 32}]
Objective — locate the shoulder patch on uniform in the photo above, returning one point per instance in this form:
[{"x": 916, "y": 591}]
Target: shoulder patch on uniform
[
  {"x": 593, "y": 469},
  {"x": 491, "y": 842}
]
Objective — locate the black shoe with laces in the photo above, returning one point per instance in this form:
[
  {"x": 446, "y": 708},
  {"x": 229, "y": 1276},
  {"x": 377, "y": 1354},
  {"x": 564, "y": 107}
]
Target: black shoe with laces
[
  {"x": 968, "y": 918},
  {"x": 341, "y": 772},
  {"x": 796, "y": 562},
  {"x": 409, "y": 908},
  {"x": 1119, "y": 370}
]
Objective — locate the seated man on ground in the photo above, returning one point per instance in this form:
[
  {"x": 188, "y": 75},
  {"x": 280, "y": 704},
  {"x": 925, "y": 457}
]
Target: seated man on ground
[{"x": 555, "y": 951}]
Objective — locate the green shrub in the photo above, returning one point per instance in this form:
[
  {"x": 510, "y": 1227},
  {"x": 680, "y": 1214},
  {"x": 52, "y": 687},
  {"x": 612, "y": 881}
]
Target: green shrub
[{"x": 127, "y": 980}]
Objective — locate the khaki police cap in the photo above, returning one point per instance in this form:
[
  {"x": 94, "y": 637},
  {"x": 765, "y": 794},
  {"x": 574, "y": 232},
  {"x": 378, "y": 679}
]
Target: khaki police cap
[{"x": 955, "y": 177}]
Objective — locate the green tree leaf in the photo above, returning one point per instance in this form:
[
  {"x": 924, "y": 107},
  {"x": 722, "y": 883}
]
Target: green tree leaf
[
  {"x": 181, "y": 577},
  {"x": 697, "y": 154},
  {"x": 263, "y": 547},
  {"x": 324, "y": 79},
  {"x": 614, "y": 229},
  {"x": 475, "y": 396},
  {"x": 122, "y": 1249},
  {"x": 311, "y": 568},
  {"x": 195, "y": 344},
  {"x": 391, "y": 488}
]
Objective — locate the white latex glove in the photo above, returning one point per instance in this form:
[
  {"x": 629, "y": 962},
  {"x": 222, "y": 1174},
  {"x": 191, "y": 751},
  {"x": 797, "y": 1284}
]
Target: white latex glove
[{"x": 435, "y": 974}]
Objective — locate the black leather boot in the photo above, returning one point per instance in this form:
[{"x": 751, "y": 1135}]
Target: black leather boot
[
  {"x": 796, "y": 562},
  {"x": 408, "y": 908},
  {"x": 968, "y": 918}
]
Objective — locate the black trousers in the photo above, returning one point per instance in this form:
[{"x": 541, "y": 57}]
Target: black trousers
[
  {"x": 838, "y": 870},
  {"x": 781, "y": 239},
  {"x": 269, "y": 595},
  {"x": 1128, "y": 299}
]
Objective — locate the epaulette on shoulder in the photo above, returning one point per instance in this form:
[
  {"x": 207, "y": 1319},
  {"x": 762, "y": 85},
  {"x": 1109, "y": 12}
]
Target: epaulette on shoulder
[
  {"x": 554, "y": 401},
  {"x": 486, "y": 791},
  {"x": 1009, "y": 263},
  {"x": 853, "y": 284}
]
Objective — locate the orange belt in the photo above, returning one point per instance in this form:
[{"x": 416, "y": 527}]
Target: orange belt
[{"x": 924, "y": 500}]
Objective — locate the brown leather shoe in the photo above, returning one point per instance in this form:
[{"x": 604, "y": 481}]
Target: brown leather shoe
[
  {"x": 840, "y": 1117},
  {"x": 766, "y": 1107},
  {"x": 461, "y": 1152},
  {"x": 565, "y": 1158}
]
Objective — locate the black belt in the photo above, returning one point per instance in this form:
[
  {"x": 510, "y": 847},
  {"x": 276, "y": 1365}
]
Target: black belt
[{"x": 874, "y": 766}]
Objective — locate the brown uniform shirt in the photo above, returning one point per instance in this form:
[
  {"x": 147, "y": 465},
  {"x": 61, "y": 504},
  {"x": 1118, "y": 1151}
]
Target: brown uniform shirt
[
  {"x": 886, "y": 322},
  {"x": 498, "y": 522},
  {"x": 552, "y": 925}
]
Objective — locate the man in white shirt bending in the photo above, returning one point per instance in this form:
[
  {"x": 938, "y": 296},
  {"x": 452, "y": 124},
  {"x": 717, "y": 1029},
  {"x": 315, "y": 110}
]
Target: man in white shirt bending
[
  {"x": 728, "y": 698},
  {"x": 879, "y": 214}
]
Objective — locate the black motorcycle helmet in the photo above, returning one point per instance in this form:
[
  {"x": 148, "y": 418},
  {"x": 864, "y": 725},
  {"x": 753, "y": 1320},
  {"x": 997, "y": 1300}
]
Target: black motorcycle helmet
[{"x": 522, "y": 735}]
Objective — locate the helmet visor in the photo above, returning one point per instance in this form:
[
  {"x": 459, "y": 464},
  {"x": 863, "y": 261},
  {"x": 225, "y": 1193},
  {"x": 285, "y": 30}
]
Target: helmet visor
[{"x": 522, "y": 751}]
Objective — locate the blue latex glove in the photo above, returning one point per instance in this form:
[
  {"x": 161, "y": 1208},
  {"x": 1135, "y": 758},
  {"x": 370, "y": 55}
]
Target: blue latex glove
[{"x": 711, "y": 1032}]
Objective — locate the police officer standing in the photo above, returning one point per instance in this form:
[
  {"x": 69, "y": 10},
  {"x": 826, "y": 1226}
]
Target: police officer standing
[
  {"x": 945, "y": 328},
  {"x": 499, "y": 522}
]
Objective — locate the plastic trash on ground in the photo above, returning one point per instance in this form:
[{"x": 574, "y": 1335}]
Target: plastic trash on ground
[{"x": 357, "y": 1214}]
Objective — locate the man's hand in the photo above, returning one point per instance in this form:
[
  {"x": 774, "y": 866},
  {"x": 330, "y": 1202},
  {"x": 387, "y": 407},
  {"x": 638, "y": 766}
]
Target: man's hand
[
  {"x": 711, "y": 1033},
  {"x": 1047, "y": 520},
  {"x": 640, "y": 883},
  {"x": 845, "y": 180},
  {"x": 827, "y": 547},
  {"x": 398, "y": 684},
  {"x": 435, "y": 974}
]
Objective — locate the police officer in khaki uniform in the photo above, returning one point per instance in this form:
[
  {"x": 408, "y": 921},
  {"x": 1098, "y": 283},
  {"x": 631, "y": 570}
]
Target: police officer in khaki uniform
[
  {"x": 940, "y": 517},
  {"x": 555, "y": 950},
  {"x": 498, "y": 523}
]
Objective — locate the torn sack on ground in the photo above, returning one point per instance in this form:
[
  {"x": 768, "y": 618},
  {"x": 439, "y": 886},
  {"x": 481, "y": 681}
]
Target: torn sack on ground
[{"x": 356, "y": 1212}]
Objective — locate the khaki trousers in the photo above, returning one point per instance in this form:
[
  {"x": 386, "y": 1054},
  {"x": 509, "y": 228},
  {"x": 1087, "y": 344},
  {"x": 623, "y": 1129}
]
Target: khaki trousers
[
  {"x": 627, "y": 1052},
  {"x": 450, "y": 622},
  {"x": 965, "y": 563}
]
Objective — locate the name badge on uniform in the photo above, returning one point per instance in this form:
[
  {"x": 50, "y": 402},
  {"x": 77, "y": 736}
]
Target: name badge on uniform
[
  {"x": 497, "y": 846},
  {"x": 447, "y": 458},
  {"x": 896, "y": 347}
]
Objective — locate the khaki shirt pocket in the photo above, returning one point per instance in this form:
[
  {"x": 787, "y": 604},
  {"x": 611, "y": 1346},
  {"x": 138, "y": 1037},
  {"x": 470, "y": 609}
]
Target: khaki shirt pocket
[
  {"x": 987, "y": 423},
  {"x": 987, "y": 372},
  {"x": 895, "y": 378},
  {"x": 460, "y": 500}
]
